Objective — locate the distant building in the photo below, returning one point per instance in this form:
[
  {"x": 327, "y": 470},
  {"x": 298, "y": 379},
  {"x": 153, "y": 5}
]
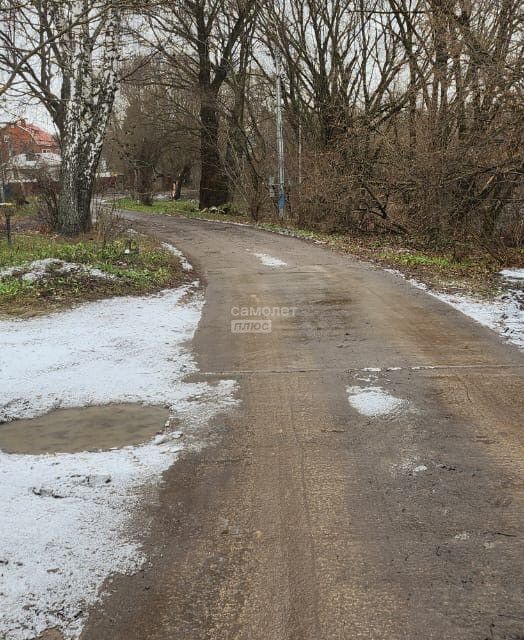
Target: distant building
[
  {"x": 26, "y": 153},
  {"x": 24, "y": 167},
  {"x": 22, "y": 137}
]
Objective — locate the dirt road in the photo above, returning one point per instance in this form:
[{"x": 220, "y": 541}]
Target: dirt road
[{"x": 307, "y": 520}]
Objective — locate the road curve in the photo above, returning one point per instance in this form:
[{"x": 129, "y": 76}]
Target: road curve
[{"x": 307, "y": 520}]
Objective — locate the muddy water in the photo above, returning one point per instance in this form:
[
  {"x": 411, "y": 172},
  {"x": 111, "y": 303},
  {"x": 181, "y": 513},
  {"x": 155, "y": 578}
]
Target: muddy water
[{"x": 83, "y": 429}]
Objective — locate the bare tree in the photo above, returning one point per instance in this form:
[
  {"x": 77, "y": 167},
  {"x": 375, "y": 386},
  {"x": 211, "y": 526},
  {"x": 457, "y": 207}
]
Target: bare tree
[
  {"x": 202, "y": 38},
  {"x": 153, "y": 130},
  {"x": 64, "y": 53},
  {"x": 409, "y": 110},
  {"x": 15, "y": 53}
]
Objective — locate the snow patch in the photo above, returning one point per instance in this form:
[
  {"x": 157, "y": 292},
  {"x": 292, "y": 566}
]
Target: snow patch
[
  {"x": 366, "y": 378},
  {"x": 40, "y": 269},
  {"x": 119, "y": 350},
  {"x": 65, "y": 524},
  {"x": 409, "y": 465},
  {"x": 185, "y": 264},
  {"x": 270, "y": 261},
  {"x": 505, "y": 314},
  {"x": 61, "y": 536},
  {"x": 373, "y": 401},
  {"x": 461, "y": 537},
  {"x": 420, "y": 468},
  {"x": 512, "y": 274},
  {"x": 394, "y": 272}
]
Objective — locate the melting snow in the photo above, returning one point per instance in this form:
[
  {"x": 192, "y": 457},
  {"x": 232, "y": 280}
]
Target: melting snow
[
  {"x": 512, "y": 274},
  {"x": 410, "y": 466},
  {"x": 40, "y": 269},
  {"x": 65, "y": 517},
  {"x": 118, "y": 350},
  {"x": 187, "y": 266},
  {"x": 420, "y": 468},
  {"x": 373, "y": 401},
  {"x": 505, "y": 314},
  {"x": 270, "y": 261},
  {"x": 462, "y": 536}
]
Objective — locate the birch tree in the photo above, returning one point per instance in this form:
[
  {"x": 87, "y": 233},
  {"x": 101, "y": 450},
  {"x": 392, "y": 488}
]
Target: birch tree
[{"x": 65, "y": 54}]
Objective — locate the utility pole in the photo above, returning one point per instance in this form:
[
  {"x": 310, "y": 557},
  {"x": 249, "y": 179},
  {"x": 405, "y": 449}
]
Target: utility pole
[
  {"x": 280, "y": 141},
  {"x": 299, "y": 153},
  {"x": 2, "y": 189}
]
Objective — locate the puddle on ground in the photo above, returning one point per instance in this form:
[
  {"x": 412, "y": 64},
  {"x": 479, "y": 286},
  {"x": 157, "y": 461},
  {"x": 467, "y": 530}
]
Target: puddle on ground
[{"x": 83, "y": 429}]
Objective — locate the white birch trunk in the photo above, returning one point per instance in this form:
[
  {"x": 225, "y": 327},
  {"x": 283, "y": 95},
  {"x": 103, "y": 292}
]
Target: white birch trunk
[{"x": 93, "y": 84}]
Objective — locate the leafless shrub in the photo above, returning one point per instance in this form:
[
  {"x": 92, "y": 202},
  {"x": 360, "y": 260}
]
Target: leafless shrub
[
  {"x": 108, "y": 224},
  {"x": 48, "y": 190}
]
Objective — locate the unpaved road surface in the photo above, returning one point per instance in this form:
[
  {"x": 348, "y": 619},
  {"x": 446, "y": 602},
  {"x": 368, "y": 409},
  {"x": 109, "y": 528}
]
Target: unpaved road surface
[{"x": 306, "y": 520}]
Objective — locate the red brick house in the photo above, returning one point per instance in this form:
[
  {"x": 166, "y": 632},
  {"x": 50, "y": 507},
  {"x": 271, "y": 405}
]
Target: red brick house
[{"x": 22, "y": 137}]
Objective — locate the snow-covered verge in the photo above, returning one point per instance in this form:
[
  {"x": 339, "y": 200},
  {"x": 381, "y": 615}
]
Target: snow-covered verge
[
  {"x": 187, "y": 266},
  {"x": 504, "y": 314},
  {"x": 512, "y": 274},
  {"x": 64, "y": 525}
]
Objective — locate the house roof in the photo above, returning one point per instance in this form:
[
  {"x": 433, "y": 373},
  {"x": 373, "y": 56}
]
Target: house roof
[{"x": 41, "y": 137}]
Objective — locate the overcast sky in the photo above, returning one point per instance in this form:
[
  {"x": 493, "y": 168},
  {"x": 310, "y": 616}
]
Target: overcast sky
[{"x": 11, "y": 110}]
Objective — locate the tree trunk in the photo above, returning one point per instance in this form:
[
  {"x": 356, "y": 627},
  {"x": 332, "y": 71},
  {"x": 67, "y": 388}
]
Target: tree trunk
[
  {"x": 75, "y": 193},
  {"x": 180, "y": 179},
  {"x": 88, "y": 99},
  {"x": 146, "y": 178},
  {"x": 214, "y": 190}
]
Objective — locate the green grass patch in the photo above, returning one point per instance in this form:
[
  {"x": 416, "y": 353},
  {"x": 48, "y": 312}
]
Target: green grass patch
[
  {"x": 442, "y": 263},
  {"x": 289, "y": 231},
  {"x": 146, "y": 268},
  {"x": 186, "y": 208},
  {"x": 418, "y": 259}
]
